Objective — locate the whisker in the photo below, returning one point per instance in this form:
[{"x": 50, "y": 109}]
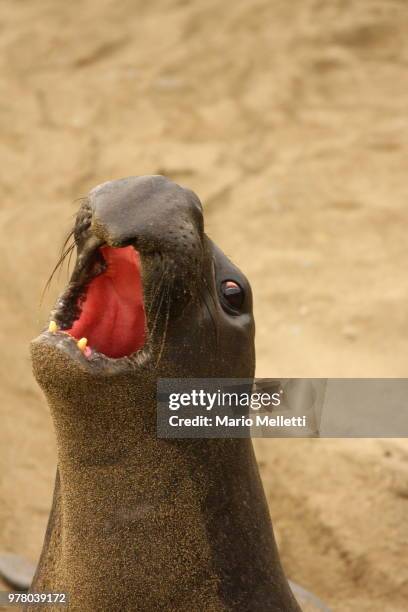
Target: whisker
[
  {"x": 155, "y": 293},
  {"x": 166, "y": 324},
  {"x": 66, "y": 251},
  {"x": 160, "y": 293},
  {"x": 156, "y": 318}
]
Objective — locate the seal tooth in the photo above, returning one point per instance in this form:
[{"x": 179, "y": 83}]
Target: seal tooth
[
  {"x": 81, "y": 344},
  {"x": 53, "y": 327}
]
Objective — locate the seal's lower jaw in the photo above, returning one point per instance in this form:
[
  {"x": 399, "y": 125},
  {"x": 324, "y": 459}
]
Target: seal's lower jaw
[{"x": 102, "y": 313}]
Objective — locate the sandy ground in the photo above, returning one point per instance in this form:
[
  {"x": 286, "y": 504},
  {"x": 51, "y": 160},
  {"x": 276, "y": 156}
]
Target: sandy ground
[{"x": 289, "y": 120}]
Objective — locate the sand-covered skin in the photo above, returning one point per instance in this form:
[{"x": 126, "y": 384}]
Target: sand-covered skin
[{"x": 289, "y": 120}]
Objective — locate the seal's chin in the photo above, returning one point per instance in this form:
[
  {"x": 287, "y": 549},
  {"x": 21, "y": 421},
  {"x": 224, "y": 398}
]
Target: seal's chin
[{"x": 111, "y": 310}]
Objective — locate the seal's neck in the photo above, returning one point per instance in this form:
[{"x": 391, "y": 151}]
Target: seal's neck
[{"x": 144, "y": 523}]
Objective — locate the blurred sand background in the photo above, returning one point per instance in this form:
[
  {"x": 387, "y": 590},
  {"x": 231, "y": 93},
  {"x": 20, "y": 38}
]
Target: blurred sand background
[{"x": 289, "y": 119}]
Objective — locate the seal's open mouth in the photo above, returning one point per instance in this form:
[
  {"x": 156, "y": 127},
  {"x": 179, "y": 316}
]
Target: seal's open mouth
[{"x": 103, "y": 308}]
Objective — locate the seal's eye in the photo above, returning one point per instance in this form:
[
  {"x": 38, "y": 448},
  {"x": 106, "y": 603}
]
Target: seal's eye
[{"x": 232, "y": 295}]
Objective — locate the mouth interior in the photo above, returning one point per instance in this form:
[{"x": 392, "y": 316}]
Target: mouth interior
[{"x": 112, "y": 313}]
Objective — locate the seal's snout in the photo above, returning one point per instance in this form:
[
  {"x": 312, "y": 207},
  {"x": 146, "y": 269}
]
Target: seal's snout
[{"x": 150, "y": 212}]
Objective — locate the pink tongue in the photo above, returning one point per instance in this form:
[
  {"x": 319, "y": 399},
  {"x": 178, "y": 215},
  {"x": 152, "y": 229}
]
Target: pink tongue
[{"x": 113, "y": 316}]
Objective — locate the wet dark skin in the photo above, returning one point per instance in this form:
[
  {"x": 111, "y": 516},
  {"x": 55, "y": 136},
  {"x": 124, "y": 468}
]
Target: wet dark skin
[{"x": 141, "y": 523}]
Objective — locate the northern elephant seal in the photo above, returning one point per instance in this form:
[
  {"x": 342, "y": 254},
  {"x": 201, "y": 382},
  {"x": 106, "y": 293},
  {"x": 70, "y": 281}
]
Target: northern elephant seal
[{"x": 141, "y": 523}]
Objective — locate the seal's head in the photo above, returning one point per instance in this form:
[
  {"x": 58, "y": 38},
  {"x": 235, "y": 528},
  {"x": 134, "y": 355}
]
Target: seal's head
[{"x": 152, "y": 295}]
